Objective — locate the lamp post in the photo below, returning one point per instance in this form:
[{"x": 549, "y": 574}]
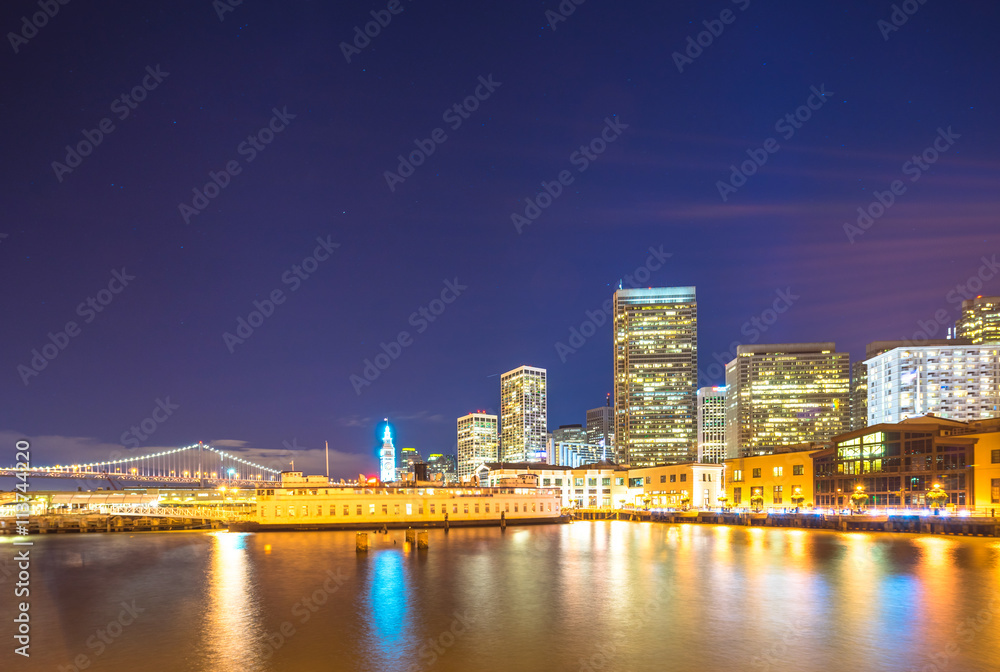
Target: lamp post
[{"x": 859, "y": 498}]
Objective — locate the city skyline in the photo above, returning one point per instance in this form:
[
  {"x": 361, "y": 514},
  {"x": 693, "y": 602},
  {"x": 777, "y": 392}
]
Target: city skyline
[{"x": 247, "y": 251}]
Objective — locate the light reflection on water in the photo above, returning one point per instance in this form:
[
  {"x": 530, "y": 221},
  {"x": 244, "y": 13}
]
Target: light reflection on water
[{"x": 614, "y": 595}]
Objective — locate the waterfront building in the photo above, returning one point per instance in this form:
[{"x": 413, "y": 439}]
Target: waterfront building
[
  {"x": 958, "y": 382},
  {"x": 601, "y": 484},
  {"x": 896, "y": 464},
  {"x": 690, "y": 484},
  {"x": 980, "y": 320},
  {"x": 859, "y": 395},
  {"x": 523, "y": 414},
  {"x": 601, "y": 428},
  {"x": 779, "y": 478},
  {"x": 477, "y": 442},
  {"x": 301, "y": 504},
  {"x": 986, "y": 480},
  {"x": 712, "y": 424},
  {"x": 784, "y": 394},
  {"x": 656, "y": 375},
  {"x": 387, "y": 457},
  {"x": 550, "y": 476}
]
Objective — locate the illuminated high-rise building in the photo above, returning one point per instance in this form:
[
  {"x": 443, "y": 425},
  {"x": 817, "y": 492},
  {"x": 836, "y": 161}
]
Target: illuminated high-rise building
[
  {"x": 406, "y": 457},
  {"x": 786, "y": 394},
  {"x": 656, "y": 375},
  {"x": 523, "y": 415},
  {"x": 712, "y": 425},
  {"x": 859, "y": 395},
  {"x": 477, "y": 442},
  {"x": 957, "y": 382},
  {"x": 570, "y": 434},
  {"x": 387, "y": 457},
  {"x": 980, "y": 320},
  {"x": 601, "y": 428}
]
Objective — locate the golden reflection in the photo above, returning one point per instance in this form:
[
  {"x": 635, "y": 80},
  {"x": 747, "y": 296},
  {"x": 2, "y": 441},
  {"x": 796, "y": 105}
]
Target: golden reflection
[{"x": 232, "y": 622}]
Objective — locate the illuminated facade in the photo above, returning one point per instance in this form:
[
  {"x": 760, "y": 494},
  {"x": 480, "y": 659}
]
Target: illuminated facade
[
  {"x": 601, "y": 429},
  {"x": 959, "y": 382},
  {"x": 689, "y": 485},
  {"x": 779, "y": 480},
  {"x": 785, "y": 394},
  {"x": 980, "y": 320},
  {"x": 898, "y": 464},
  {"x": 523, "y": 415},
  {"x": 859, "y": 395},
  {"x": 712, "y": 424},
  {"x": 573, "y": 453},
  {"x": 656, "y": 374},
  {"x": 387, "y": 457},
  {"x": 477, "y": 442},
  {"x": 570, "y": 434}
]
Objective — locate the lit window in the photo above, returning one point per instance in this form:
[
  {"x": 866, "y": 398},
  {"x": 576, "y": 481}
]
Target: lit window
[{"x": 779, "y": 471}]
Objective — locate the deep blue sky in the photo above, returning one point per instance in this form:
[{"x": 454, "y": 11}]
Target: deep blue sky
[{"x": 323, "y": 175}]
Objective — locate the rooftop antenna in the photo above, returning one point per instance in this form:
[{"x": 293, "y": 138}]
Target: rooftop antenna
[{"x": 327, "y": 461}]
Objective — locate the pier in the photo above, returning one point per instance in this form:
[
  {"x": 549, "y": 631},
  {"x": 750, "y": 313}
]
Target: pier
[{"x": 901, "y": 522}]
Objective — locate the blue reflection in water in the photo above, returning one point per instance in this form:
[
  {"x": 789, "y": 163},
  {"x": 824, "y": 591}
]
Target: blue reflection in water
[{"x": 388, "y": 605}]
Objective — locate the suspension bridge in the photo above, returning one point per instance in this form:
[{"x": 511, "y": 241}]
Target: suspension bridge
[{"x": 197, "y": 464}]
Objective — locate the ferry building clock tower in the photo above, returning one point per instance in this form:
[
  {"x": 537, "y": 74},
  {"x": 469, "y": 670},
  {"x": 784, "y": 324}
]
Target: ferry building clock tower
[{"x": 387, "y": 457}]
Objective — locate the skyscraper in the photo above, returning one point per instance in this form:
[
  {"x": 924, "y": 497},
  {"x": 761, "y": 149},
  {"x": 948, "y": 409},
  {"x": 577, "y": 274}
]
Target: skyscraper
[
  {"x": 784, "y": 394},
  {"x": 601, "y": 428},
  {"x": 980, "y": 320},
  {"x": 387, "y": 457},
  {"x": 656, "y": 374},
  {"x": 570, "y": 434},
  {"x": 523, "y": 415},
  {"x": 958, "y": 382},
  {"x": 859, "y": 395},
  {"x": 712, "y": 425},
  {"x": 477, "y": 442}
]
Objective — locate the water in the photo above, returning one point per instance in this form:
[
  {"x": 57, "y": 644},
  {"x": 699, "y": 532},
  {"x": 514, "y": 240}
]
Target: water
[{"x": 585, "y": 596}]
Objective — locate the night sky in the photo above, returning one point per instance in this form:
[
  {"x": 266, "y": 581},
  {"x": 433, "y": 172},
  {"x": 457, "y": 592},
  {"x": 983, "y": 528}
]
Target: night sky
[{"x": 265, "y": 90}]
